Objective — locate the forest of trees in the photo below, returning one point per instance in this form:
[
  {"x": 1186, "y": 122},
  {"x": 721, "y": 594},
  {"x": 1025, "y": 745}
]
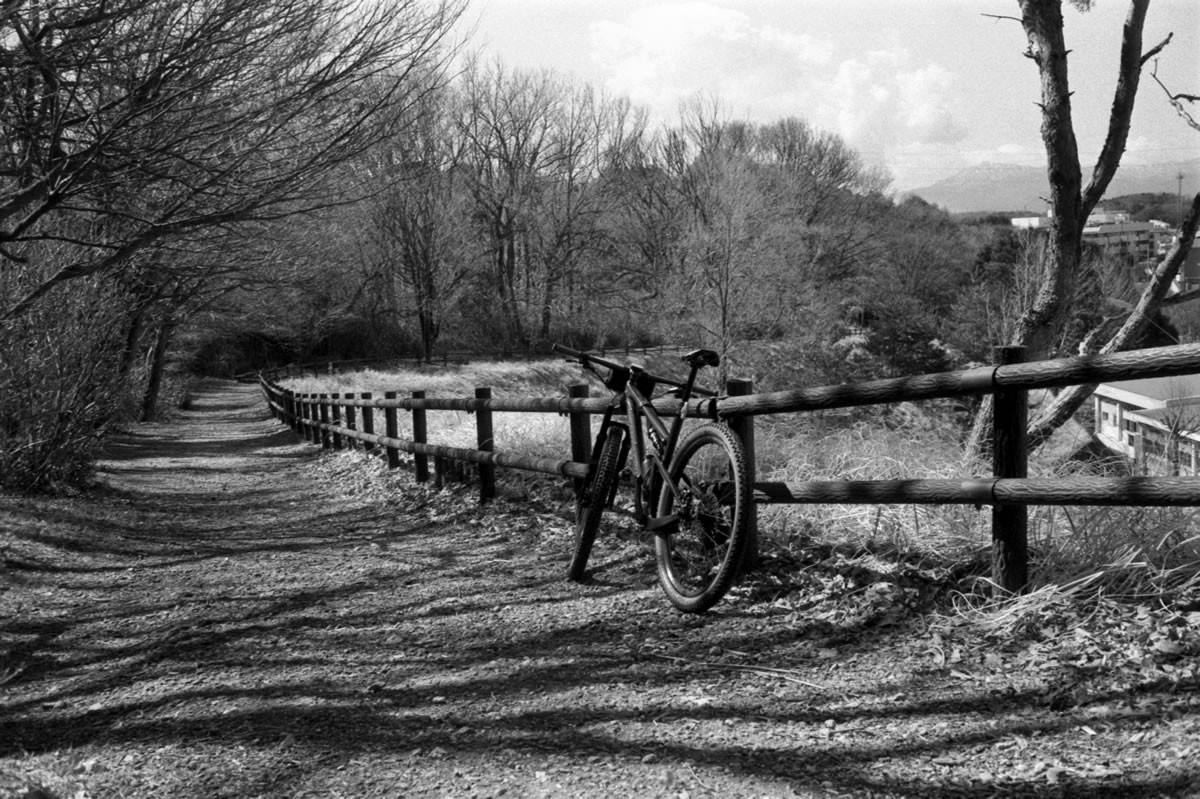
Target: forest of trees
[{"x": 234, "y": 184}]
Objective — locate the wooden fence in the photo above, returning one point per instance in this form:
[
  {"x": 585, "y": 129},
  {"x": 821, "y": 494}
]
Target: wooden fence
[{"x": 339, "y": 420}]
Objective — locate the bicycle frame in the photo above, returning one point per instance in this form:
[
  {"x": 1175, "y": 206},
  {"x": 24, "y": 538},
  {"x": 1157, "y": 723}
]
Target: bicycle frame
[{"x": 642, "y": 422}]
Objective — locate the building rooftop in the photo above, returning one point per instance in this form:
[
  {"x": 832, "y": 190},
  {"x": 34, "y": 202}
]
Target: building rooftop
[
  {"x": 1179, "y": 417},
  {"x": 1162, "y": 388}
]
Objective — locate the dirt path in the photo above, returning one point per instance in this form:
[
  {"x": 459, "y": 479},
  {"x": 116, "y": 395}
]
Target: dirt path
[{"x": 234, "y": 614}]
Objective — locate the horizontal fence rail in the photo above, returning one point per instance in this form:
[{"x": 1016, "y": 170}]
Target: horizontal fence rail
[
  {"x": 1148, "y": 491},
  {"x": 522, "y": 462},
  {"x": 1173, "y": 361},
  {"x": 557, "y": 405},
  {"x": 332, "y": 420}
]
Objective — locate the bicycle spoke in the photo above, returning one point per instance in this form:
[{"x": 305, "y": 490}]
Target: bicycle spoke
[{"x": 698, "y": 559}]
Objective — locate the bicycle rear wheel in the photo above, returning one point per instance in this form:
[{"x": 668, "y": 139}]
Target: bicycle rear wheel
[
  {"x": 596, "y": 494},
  {"x": 709, "y": 494}
]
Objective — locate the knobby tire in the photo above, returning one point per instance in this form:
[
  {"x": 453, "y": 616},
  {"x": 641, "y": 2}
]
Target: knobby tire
[
  {"x": 593, "y": 499},
  {"x": 699, "y": 557}
]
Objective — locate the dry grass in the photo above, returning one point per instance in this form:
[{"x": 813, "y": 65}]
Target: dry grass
[
  {"x": 506, "y": 379},
  {"x": 1132, "y": 553},
  {"x": 903, "y": 442}
]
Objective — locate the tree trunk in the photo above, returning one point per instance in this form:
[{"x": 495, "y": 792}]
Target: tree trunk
[
  {"x": 1042, "y": 20},
  {"x": 506, "y": 270},
  {"x": 429, "y": 332},
  {"x": 1040, "y": 328},
  {"x": 133, "y": 336},
  {"x": 158, "y": 366},
  {"x": 549, "y": 296},
  {"x": 1070, "y": 399}
]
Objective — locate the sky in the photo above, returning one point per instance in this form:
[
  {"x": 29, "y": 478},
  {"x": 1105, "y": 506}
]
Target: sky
[{"x": 924, "y": 88}]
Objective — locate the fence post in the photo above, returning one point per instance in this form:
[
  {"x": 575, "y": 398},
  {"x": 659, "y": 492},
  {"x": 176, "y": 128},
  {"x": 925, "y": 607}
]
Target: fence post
[
  {"x": 293, "y": 419},
  {"x": 368, "y": 421},
  {"x": 310, "y": 416},
  {"x": 581, "y": 431},
  {"x": 420, "y": 461},
  {"x": 326, "y": 440},
  {"x": 268, "y": 394},
  {"x": 302, "y": 417},
  {"x": 351, "y": 443},
  {"x": 391, "y": 429},
  {"x": 1010, "y": 458},
  {"x": 285, "y": 400},
  {"x": 487, "y": 443},
  {"x": 743, "y": 428},
  {"x": 335, "y": 413}
]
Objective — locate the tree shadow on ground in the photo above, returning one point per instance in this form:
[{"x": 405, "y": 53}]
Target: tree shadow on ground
[{"x": 346, "y": 662}]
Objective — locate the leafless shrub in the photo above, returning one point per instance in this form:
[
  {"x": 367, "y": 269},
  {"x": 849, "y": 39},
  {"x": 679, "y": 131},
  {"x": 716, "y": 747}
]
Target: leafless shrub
[{"x": 60, "y": 385}]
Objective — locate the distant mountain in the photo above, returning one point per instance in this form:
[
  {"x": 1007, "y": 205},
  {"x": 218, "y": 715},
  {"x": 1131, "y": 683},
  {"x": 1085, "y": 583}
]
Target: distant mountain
[{"x": 1006, "y": 187}]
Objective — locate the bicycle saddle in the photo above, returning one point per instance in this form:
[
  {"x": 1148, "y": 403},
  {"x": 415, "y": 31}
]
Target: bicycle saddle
[{"x": 698, "y": 358}]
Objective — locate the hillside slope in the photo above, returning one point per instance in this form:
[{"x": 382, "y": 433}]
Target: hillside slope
[{"x": 1011, "y": 188}]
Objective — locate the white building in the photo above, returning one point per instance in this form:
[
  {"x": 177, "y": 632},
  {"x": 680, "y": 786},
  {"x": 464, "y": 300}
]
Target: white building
[
  {"x": 1155, "y": 423},
  {"x": 1188, "y": 278},
  {"x": 1113, "y": 233},
  {"x": 1032, "y": 222},
  {"x": 1133, "y": 241}
]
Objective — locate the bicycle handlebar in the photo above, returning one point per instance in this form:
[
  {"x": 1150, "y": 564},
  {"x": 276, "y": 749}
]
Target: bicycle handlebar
[{"x": 587, "y": 357}]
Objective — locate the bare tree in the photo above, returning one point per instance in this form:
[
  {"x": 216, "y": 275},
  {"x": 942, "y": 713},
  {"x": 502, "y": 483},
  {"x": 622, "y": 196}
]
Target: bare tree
[
  {"x": 537, "y": 147},
  {"x": 506, "y": 121},
  {"x": 731, "y": 281},
  {"x": 128, "y": 122},
  {"x": 827, "y": 176},
  {"x": 416, "y": 226},
  {"x": 1040, "y": 327},
  {"x": 591, "y": 135}
]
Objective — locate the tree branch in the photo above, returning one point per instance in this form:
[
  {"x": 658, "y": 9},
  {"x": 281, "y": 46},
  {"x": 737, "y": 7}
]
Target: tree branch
[
  {"x": 1174, "y": 100},
  {"x": 1128, "y": 77},
  {"x": 1158, "y": 48},
  {"x": 1068, "y": 401},
  {"x": 1181, "y": 298}
]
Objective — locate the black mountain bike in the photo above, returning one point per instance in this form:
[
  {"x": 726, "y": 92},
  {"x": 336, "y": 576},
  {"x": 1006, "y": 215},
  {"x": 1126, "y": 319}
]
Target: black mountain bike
[{"x": 692, "y": 494}]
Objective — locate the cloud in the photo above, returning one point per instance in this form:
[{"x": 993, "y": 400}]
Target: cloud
[
  {"x": 881, "y": 101},
  {"x": 664, "y": 53},
  {"x": 886, "y": 102}
]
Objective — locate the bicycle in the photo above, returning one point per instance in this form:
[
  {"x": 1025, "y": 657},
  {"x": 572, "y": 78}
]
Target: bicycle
[{"x": 699, "y": 487}]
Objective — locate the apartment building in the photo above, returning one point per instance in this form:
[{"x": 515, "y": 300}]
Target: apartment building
[
  {"x": 1155, "y": 423},
  {"x": 1114, "y": 234},
  {"x": 1133, "y": 241}
]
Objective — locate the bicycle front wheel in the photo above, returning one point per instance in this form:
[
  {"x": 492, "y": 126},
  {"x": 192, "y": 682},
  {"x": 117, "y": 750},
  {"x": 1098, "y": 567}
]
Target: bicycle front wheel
[
  {"x": 596, "y": 494},
  {"x": 708, "y": 495}
]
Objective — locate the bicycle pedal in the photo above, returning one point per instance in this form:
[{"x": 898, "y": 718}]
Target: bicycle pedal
[{"x": 664, "y": 525}]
